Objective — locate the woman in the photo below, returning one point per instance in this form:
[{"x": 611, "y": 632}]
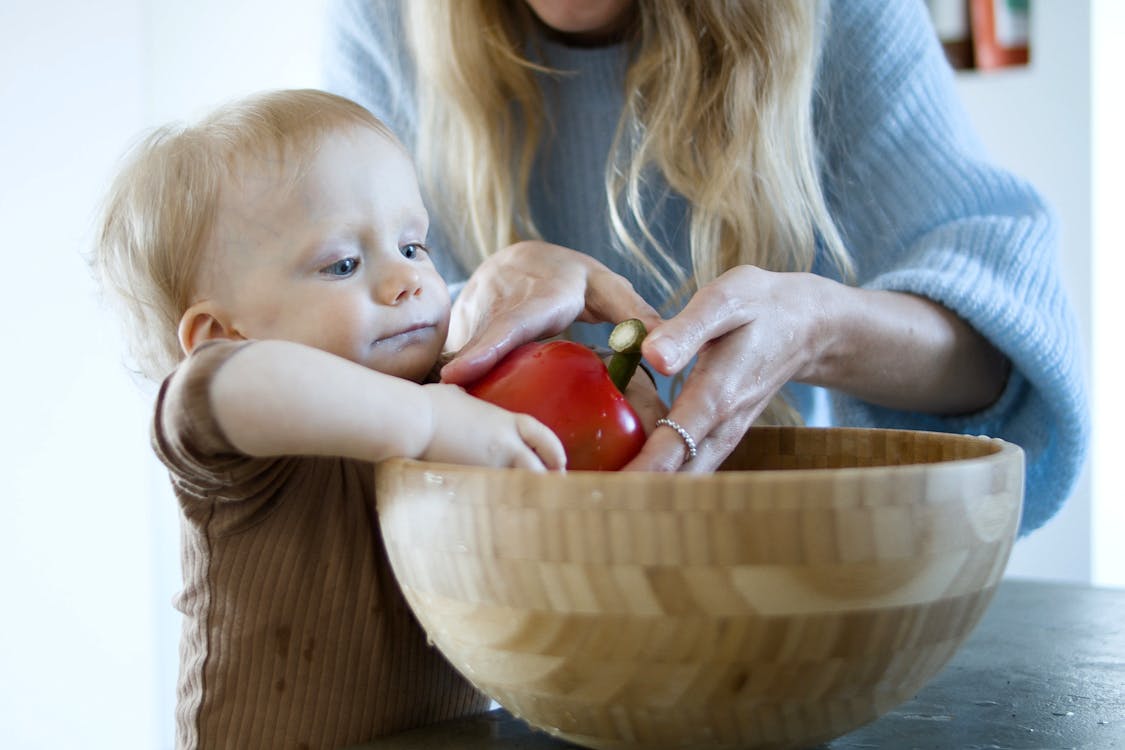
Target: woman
[{"x": 793, "y": 186}]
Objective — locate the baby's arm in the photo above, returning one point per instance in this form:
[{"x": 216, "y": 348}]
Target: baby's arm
[{"x": 275, "y": 398}]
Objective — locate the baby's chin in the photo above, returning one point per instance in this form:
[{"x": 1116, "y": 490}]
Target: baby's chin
[
  {"x": 418, "y": 366},
  {"x": 412, "y": 356}
]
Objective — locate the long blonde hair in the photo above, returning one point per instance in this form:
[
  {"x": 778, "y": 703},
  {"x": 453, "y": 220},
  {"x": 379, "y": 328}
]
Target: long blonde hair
[
  {"x": 718, "y": 98},
  {"x": 159, "y": 212}
]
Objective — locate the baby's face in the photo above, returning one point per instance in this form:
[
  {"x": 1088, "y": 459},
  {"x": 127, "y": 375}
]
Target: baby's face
[{"x": 333, "y": 256}]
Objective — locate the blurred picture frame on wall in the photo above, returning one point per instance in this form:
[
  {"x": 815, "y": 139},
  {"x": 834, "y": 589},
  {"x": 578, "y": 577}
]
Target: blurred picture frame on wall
[
  {"x": 1001, "y": 33},
  {"x": 983, "y": 34}
]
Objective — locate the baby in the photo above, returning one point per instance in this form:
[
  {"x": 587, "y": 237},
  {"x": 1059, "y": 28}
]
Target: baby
[{"x": 272, "y": 269}]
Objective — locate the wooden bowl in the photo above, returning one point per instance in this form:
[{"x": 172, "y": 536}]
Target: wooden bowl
[{"x": 817, "y": 581}]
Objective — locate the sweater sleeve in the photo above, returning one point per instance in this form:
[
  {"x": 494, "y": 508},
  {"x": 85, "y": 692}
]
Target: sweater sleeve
[
  {"x": 923, "y": 211},
  {"x": 366, "y": 59}
]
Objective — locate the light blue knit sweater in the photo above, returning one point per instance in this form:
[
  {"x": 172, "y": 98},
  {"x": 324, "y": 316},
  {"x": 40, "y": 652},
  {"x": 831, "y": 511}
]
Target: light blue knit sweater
[{"x": 921, "y": 208}]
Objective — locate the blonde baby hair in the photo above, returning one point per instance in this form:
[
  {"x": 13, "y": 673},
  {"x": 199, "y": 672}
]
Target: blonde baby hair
[{"x": 159, "y": 213}]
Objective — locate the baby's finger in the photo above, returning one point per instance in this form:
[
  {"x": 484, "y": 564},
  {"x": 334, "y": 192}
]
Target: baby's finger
[
  {"x": 542, "y": 440},
  {"x": 527, "y": 459}
]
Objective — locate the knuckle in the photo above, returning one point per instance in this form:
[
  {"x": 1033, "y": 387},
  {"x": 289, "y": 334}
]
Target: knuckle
[
  {"x": 725, "y": 299},
  {"x": 521, "y": 249},
  {"x": 743, "y": 275}
]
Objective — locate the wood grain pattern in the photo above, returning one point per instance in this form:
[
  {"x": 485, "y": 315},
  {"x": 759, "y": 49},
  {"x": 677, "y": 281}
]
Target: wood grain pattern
[{"x": 817, "y": 581}]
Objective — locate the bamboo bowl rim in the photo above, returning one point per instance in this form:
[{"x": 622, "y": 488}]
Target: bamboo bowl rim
[{"x": 949, "y": 452}]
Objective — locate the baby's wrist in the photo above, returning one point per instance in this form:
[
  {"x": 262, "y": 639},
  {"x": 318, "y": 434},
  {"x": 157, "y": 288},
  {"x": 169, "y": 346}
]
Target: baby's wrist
[{"x": 428, "y": 419}]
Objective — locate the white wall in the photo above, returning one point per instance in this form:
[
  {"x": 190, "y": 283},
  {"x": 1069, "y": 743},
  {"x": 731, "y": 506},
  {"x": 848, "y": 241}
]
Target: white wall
[
  {"x": 1108, "y": 53},
  {"x": 89, "y": 560},
  {"x": 76, "y": 656}
]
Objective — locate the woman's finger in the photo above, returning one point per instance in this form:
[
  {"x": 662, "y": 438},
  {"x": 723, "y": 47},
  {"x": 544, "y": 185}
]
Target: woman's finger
[
  {"x": 715, "y": 310},
  {"x": 496, "y": 337},
  {"x": 663, "y": 451},
  {"x": 529, "y": 291},
  {"x": 611, "y": 298},
  {"x": 500, "y": 333},
  {"x": 723, "y": 395}
]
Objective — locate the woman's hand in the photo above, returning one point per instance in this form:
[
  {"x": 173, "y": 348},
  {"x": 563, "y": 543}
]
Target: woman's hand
[
  {"x": 529, "y": 291},
  {"x": 499, "y": 437},
  {"x": 755, "y": 330},
  {"x": 642, "y": 395}
]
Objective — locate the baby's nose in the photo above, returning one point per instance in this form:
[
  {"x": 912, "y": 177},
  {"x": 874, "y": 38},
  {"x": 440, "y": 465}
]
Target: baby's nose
[{"x": 398, "y": 284}]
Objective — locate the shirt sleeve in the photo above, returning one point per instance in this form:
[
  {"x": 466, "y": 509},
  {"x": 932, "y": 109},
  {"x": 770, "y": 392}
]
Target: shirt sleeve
[
  {"x": 201, "y": 461},
  {"x": 923, "y": 211}
]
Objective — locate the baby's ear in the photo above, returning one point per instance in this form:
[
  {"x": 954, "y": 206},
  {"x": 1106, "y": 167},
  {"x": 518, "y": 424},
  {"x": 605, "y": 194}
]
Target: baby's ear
[{"x": 203, "y": 322}]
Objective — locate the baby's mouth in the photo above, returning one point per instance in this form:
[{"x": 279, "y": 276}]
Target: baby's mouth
[{"x": 406, "y": 336}]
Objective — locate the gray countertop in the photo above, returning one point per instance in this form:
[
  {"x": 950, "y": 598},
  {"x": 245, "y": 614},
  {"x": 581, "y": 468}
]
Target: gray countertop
[{"x": 1044, "y": 670}]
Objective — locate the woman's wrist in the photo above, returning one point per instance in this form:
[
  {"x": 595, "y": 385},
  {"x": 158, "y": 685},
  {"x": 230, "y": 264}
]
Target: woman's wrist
[
  {"x": 831, "y": 310},
  {"x": 902, "y": 351}
]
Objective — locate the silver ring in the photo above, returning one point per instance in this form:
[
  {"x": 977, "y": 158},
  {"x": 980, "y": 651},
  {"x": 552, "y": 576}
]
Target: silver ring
[{"x": 689, "y": 441}]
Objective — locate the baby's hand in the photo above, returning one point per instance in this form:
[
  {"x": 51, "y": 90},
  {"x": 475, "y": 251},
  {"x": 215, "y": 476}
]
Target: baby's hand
[{"x": 467, "y": 430}]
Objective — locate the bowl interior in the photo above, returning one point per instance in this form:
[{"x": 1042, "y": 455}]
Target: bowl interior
[{"x": 773, "y": 448}]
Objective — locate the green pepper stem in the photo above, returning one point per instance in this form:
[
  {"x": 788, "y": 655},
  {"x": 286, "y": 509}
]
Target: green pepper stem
[{"x": 625, "y": 341}]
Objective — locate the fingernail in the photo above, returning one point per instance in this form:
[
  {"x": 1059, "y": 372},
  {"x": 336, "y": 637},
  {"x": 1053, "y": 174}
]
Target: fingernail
[{"x": 665, "y": 350}]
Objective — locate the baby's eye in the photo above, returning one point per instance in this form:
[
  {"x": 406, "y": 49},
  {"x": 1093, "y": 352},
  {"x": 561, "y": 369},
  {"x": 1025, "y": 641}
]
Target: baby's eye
[
  {"x": 413, "y": 250},
  {"x": 342, "y": 267}
]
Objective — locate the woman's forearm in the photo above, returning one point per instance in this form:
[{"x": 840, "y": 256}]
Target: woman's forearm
[{"x": 905, "y": 352}]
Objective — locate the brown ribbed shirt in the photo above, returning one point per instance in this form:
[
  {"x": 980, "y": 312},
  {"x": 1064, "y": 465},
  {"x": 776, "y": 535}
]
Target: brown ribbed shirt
[{"x": 295, "y": 634}]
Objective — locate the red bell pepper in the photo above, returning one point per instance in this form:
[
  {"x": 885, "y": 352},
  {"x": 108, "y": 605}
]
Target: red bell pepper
[{"x": 567, "y": 387}]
